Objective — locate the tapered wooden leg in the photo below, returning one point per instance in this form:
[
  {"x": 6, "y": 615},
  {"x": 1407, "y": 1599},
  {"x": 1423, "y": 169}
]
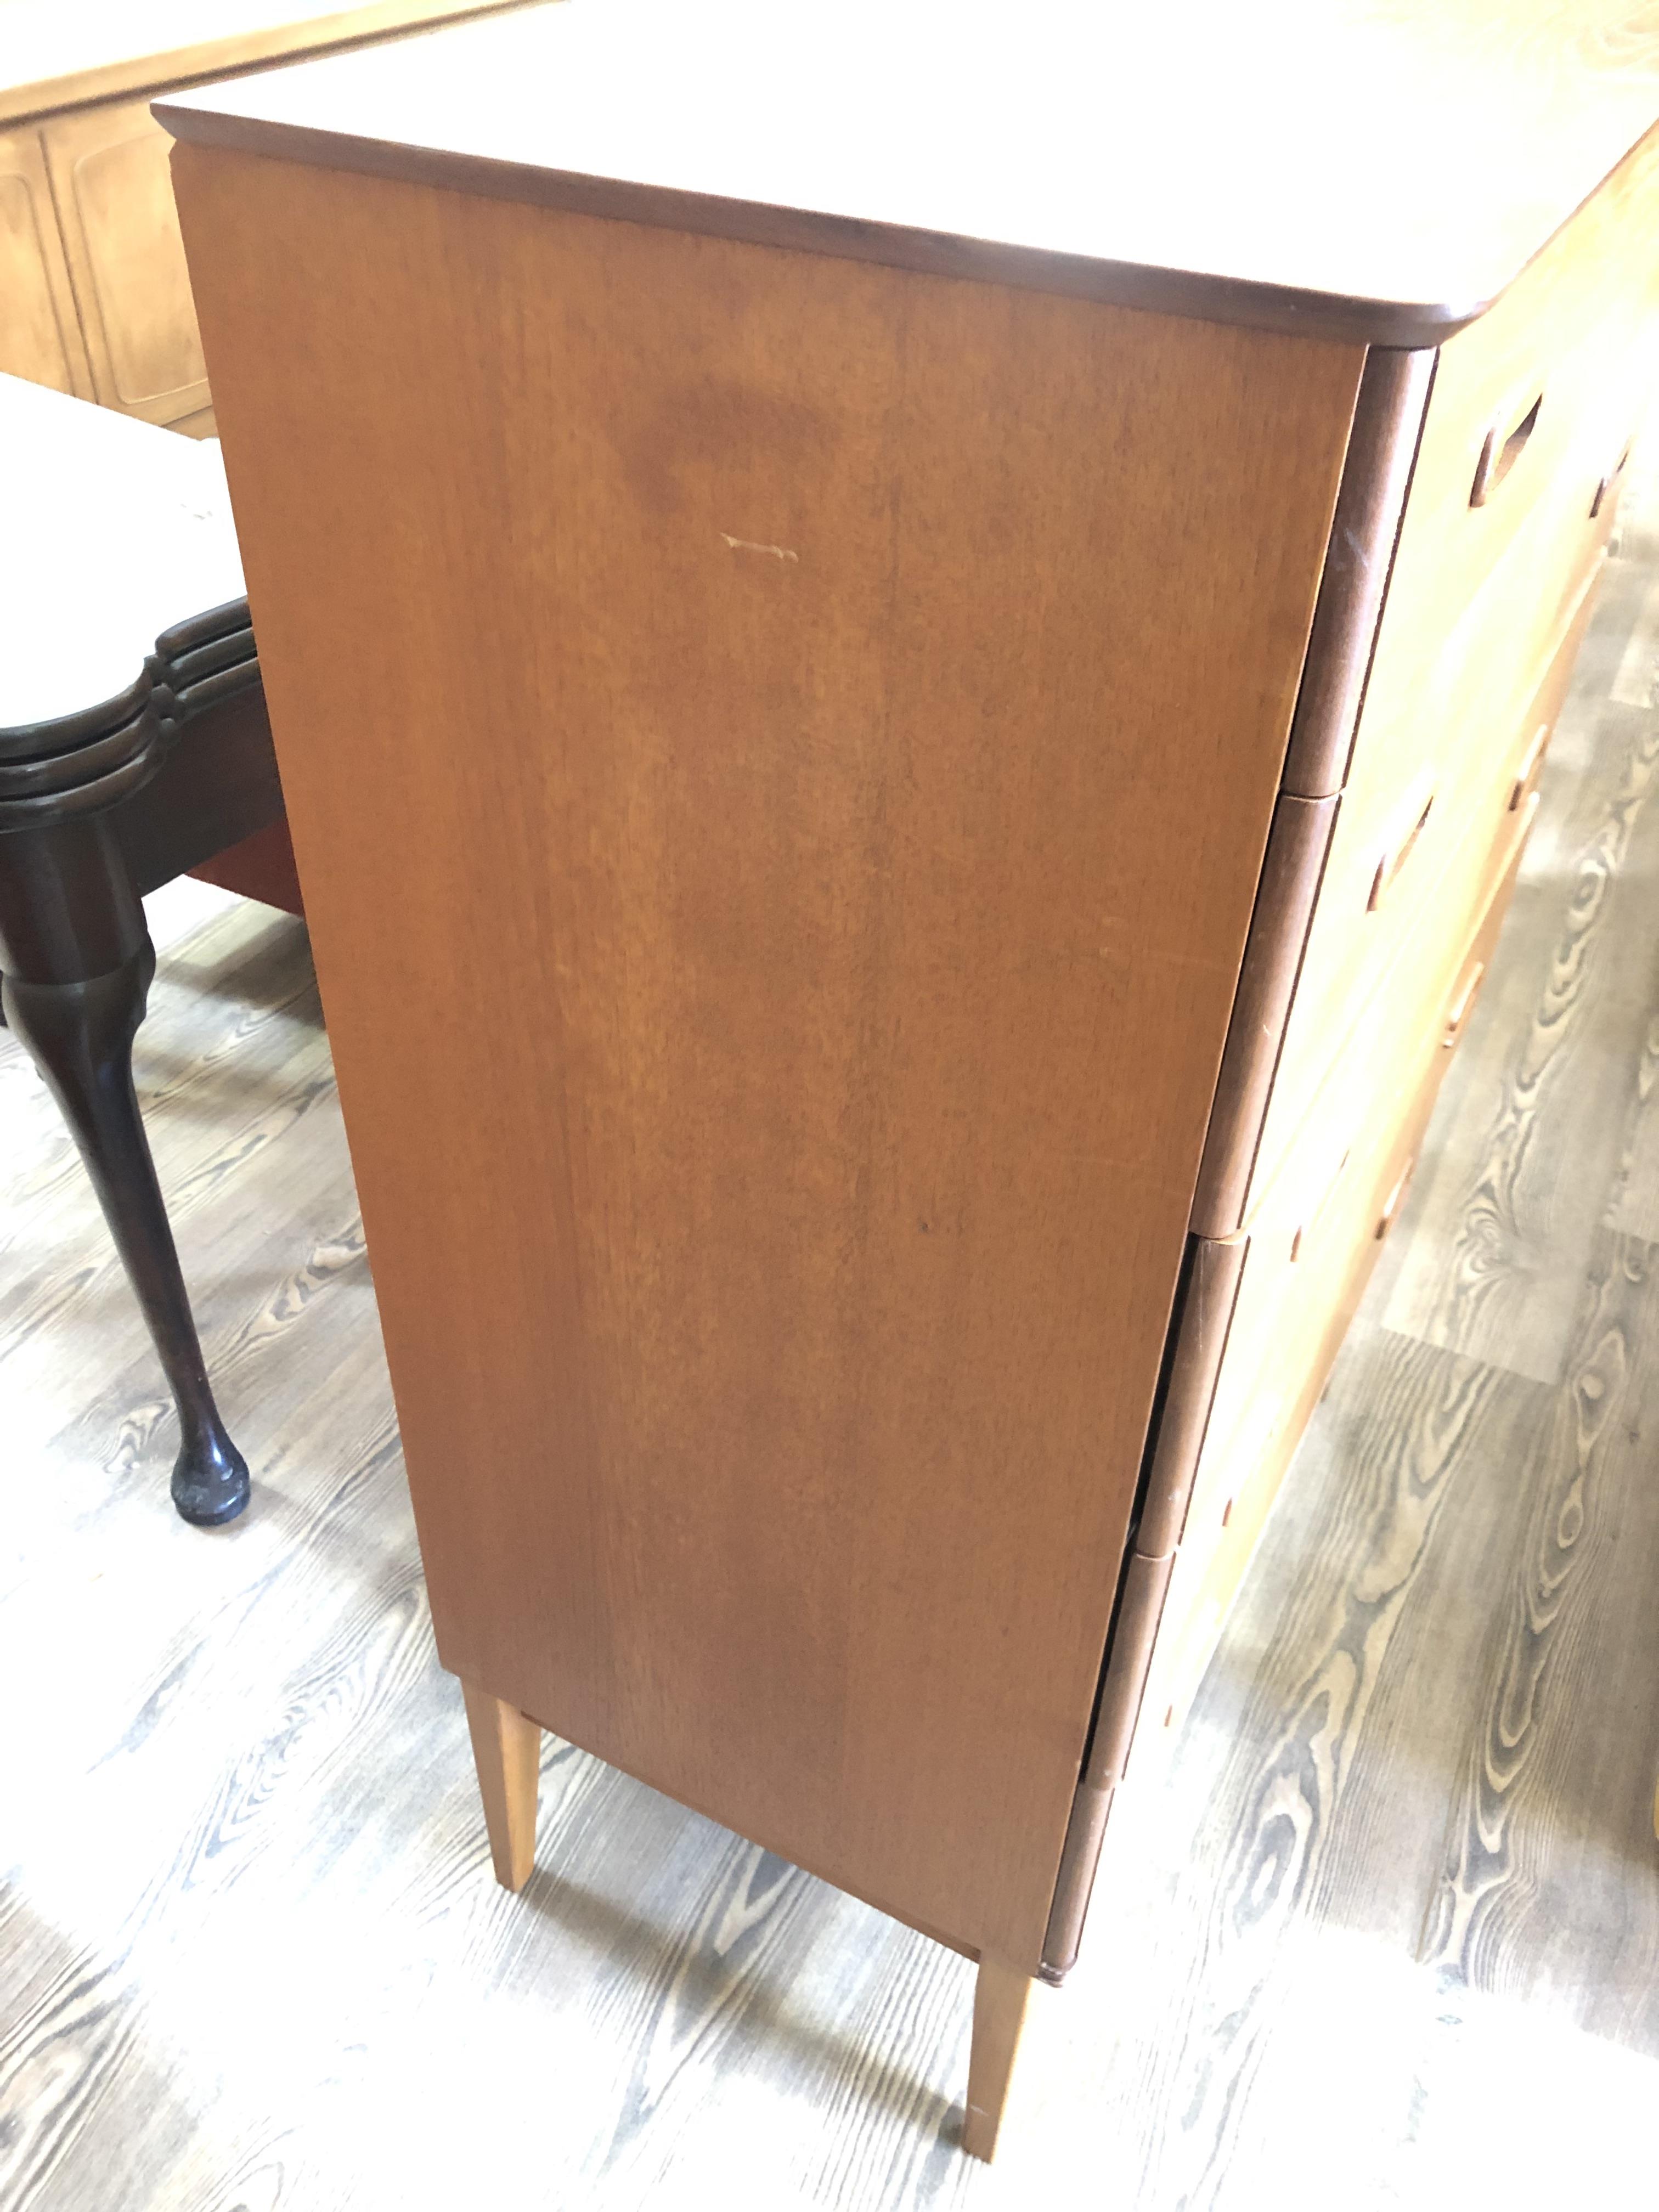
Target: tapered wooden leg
[
  {"x": 507, "y": 1749},
  {"x": 999, "y": 1999}
]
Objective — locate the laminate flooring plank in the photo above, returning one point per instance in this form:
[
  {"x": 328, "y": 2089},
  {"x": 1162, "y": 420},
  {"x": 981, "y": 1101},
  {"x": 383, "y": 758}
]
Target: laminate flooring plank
[
  {"x": 1535, "y": 1125},
  {"x": 1332, "y": 1617},
  {"x": 694, "y": 1996},
  {"x": 1392, "y": 1520},
  {"x": 1550, "y": 1883},
  {"x": 1634, "y": 1205}
]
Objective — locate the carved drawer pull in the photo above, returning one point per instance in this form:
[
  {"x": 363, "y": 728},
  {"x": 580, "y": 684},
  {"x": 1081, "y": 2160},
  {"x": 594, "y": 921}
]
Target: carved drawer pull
[{"x": 1497, "y": 460}]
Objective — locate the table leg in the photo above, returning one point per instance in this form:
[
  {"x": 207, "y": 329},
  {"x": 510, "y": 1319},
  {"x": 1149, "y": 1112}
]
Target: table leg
[{"x": 80, "y": 1035}]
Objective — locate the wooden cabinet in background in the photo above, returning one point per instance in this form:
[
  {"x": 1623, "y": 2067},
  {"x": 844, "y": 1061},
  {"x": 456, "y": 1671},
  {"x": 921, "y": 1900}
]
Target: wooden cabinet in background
[
  {"x": 113, "y": 190},
  {"x": 40, "y": 333},
  {"x": 94, "y": 294}
]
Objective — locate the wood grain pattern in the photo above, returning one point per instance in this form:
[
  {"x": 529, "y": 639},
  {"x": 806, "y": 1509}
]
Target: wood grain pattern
[
  {"x": 507, "y": 1752},
  {"x": 640, "y": 110},
  {"x": 40, "y": 335},
  {"x": 1484, "y": 613},
  {"x": 1532, "y": 1768},
  {"x": 114, "y": 199},
  {"x": 301, "y": 2001},
  {"x": 1000, "y": 1997},
  {"x": 826, "y": 893},
  {"x": 1519, "y": 1208},
  {"x": 1314, "y": 1240},
  {"x": 1515, "y": 1688},
  {"x": 1309, "y": 1655},
  {"x": 1634, "y": 1206},
  {"x": 94, "y": 295}
]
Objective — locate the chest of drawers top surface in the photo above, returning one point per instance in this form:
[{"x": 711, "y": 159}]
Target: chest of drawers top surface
[{"x": 1377, "y": 169}]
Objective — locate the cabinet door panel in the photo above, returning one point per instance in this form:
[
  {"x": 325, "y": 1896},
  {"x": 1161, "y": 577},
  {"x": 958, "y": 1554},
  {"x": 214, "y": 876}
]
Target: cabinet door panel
[
  {"x": 109, "y": 169},
  {"x": 40, "y": 336}
]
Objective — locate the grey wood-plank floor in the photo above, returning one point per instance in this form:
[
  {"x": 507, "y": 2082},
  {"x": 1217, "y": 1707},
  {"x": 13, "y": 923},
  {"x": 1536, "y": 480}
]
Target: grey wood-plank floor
[{"x": 1383, "y": 1931}]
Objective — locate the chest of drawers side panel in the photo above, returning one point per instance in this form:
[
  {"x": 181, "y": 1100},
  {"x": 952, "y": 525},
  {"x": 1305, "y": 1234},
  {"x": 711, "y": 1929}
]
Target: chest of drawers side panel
[{"x": 779, "y": 751}]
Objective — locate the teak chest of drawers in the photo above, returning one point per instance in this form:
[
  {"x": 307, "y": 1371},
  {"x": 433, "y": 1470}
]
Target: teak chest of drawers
[{"x": 910, "y": 693}]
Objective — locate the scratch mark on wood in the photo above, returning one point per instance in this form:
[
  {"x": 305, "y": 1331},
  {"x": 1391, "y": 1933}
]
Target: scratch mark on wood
[{"x": 751, "y": 545}]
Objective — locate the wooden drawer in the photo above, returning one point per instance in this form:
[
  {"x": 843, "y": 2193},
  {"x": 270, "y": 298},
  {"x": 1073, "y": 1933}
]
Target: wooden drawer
[
  {"x": 1530, "y": 408},
  {"x": 1514, "y": 445},
  {"x": 1308, "y": 1256},
  {"x": 1517, "y": 430},
  {"x": 1485, "y": 604},
  {"x": 1395, "y": 856}
]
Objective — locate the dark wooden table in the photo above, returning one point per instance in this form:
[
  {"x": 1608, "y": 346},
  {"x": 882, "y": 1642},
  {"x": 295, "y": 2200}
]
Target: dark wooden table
[{"x": 134, "y": 747}]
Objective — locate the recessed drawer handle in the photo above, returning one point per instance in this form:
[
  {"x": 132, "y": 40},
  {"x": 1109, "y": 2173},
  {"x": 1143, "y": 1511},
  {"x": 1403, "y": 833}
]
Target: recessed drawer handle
[
  {"x": 1528, "y": 768},
  {"x": 1608, "y": 483},
  {"x": 1460, "y": 1009},
  {"x": 1498, "y": 460},
  {"x": 1389, "y": 867},
  {"x": 1304, "y": 1228},
  {"x": 1391, "y": 1211}
]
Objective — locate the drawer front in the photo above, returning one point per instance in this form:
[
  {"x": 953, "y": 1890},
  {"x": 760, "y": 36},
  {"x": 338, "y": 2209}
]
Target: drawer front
[
  {"x": 1320, "y": 1231},
  {"x": 1530, "y": 408},
  {"x": 1423, "y": 849},
  {"x": 1512, "y": 496}
]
